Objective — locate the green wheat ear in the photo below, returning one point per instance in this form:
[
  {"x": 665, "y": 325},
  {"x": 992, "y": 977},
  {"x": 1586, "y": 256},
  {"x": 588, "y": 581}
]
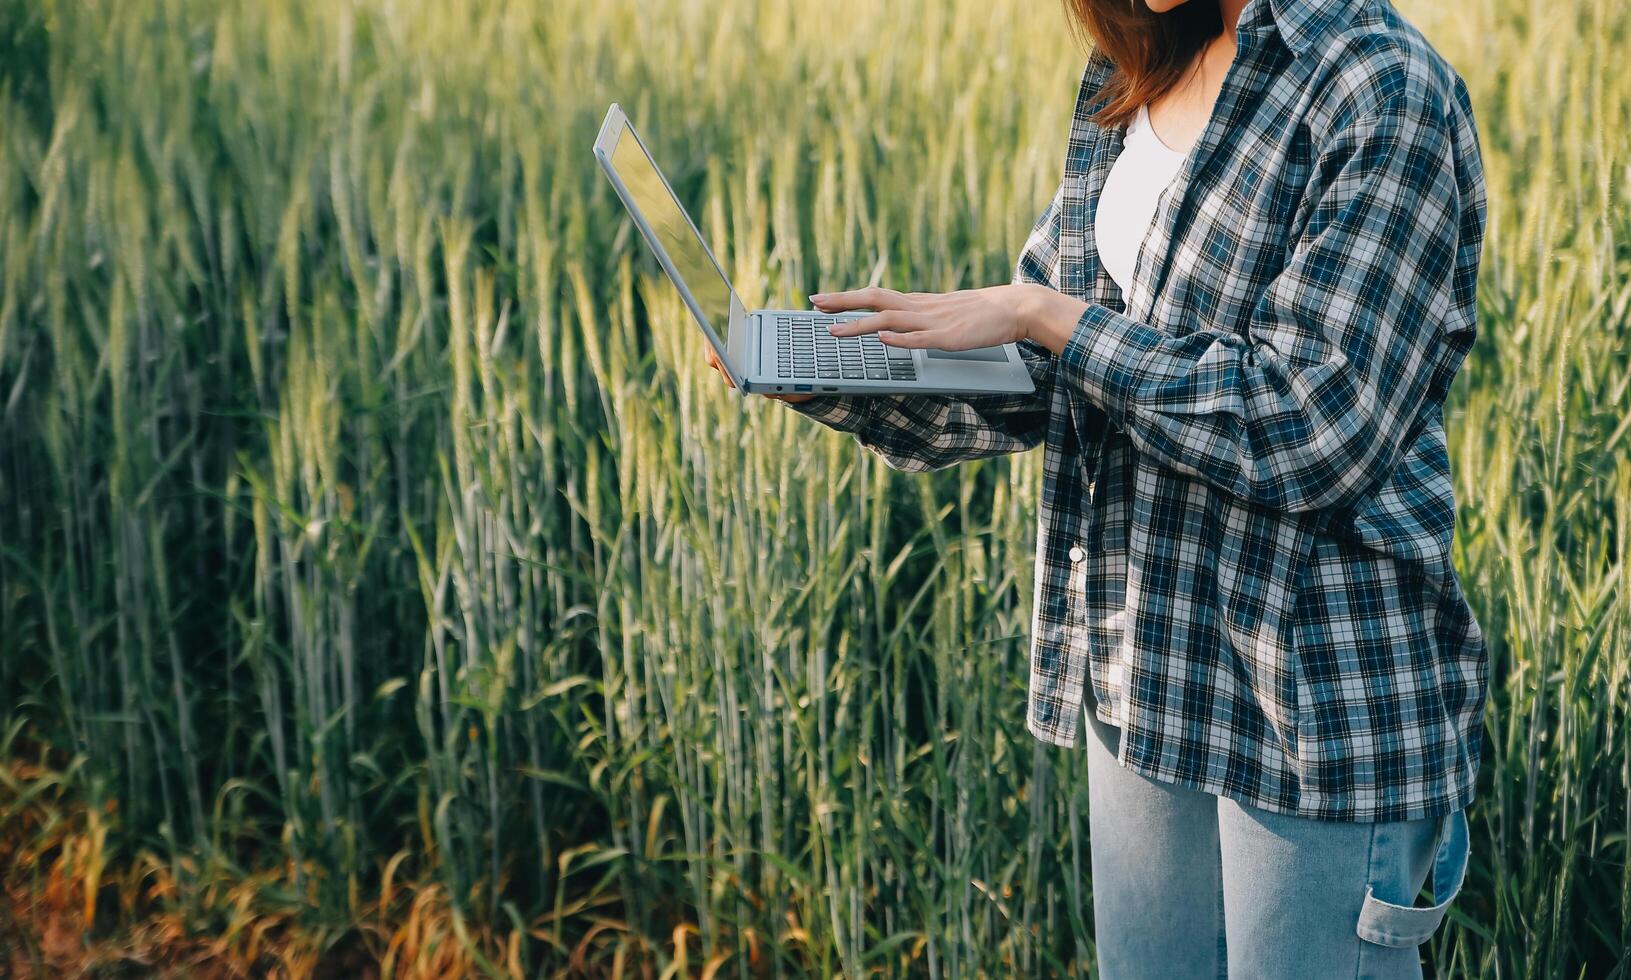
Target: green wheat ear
[{"x": 381, "y": 569}]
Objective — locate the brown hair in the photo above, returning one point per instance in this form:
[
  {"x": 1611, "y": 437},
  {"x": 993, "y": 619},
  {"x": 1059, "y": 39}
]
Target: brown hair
[{"x": 1150, "y": 51}]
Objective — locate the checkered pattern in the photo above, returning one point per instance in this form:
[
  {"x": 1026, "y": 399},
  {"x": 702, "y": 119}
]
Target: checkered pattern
[{"x": 1244, "y": 535}]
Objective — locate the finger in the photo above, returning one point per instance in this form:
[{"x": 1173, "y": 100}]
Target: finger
[
  {"x": 902, "y": 321},
  {"x": 869, "y": 298},
  {"x": 940, "y": 339},
  {"x": 713, "y": 361}
]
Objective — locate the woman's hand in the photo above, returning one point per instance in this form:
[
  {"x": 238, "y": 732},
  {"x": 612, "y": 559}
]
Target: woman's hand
[
  {"x": 713, "y": 362},
  {"x": 958, "y": 320}
]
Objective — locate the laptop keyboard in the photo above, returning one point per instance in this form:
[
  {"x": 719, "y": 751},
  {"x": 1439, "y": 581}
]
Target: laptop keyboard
[{"x": 804, "y": 349}]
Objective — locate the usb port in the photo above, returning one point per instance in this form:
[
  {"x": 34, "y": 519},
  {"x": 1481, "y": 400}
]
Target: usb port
[{"x": 802, "y": 388}]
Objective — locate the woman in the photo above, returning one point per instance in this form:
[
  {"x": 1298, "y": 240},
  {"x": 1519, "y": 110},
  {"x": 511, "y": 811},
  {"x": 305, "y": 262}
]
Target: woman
[{"x": 1242, "y": 311}]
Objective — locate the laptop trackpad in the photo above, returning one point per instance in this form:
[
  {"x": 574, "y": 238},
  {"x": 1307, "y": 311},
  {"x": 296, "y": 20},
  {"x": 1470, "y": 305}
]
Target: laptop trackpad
[{"x": 996, "y": 354}]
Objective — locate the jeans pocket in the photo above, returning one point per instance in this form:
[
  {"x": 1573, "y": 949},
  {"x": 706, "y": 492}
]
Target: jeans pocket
[{"x": 1404, "y": 926}]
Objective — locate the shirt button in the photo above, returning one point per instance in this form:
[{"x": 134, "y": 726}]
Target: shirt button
[{"x": 1076, "y": 553}]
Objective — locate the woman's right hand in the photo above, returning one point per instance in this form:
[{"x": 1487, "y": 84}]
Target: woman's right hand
[{"x": 713, "y": 362}]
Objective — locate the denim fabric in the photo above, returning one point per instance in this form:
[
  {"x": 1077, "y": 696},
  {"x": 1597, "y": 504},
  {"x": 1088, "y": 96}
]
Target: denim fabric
[{"x": 1187, "y": 884}]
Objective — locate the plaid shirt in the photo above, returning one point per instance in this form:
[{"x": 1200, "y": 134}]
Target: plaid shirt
[{"x": 1244, "y": 534}]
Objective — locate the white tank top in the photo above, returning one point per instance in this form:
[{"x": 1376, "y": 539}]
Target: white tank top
[{"x": 1126, "y": 206}]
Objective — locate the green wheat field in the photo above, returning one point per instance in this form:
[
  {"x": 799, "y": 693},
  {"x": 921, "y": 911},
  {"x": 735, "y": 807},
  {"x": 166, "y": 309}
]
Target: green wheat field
[{"x": 387, "y": 589}]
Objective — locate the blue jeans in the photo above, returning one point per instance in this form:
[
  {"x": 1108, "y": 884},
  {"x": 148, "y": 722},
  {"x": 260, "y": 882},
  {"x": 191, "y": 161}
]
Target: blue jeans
[{"x": 1188, "y": 884}]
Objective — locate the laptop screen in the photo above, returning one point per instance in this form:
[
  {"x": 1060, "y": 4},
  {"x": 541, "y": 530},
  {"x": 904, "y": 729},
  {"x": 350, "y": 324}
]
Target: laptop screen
[{"x": 697, "y": 269}]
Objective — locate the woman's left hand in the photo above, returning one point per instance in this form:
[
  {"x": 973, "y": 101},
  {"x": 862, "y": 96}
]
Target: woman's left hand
[{"x": 958, "y": 320}]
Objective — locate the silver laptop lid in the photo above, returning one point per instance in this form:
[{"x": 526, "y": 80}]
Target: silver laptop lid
[{"x": 666, "y": 227}]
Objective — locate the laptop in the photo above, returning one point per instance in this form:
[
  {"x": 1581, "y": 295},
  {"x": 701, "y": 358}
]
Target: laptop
[{"x": 782, "y": 351}]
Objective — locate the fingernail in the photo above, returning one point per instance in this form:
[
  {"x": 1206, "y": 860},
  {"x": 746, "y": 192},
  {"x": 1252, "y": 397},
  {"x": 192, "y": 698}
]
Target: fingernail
[
  {"x": 835, "y": 329},
  {"x": 817, "y": 297}
]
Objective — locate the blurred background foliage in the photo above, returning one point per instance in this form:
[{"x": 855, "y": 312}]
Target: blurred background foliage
[{"x": 386, "y": 588}]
